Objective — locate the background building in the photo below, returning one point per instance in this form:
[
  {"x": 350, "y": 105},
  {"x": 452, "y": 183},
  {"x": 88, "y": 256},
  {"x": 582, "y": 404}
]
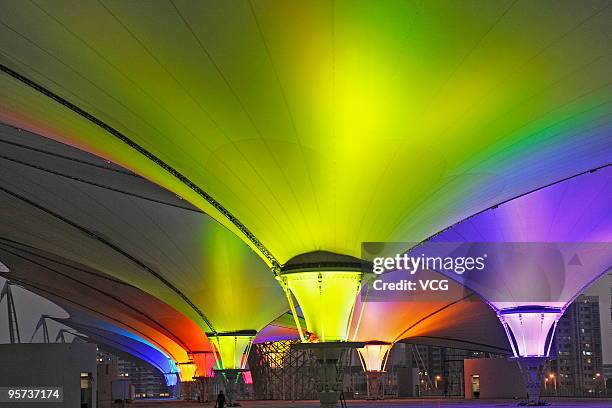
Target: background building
[
  {"x": 148, "y": 382},
  {"x": 578, "y": 367}
]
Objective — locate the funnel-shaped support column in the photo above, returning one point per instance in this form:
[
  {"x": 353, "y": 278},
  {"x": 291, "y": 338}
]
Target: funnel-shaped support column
[
  {"x": 172, "y": 382},
  {"x": 530, "y": 330},
  {"x": 171, "y": 379},
  {"x": 326, "y": 298},
  {"x": 374, "y": 356},
  {"x": 233, "y": 350},
  {"x": 374, "y": 360},
  {"x": 532, "y": 369},
  {"x": 329, "y": 357},
  {"x": 205, "y": 388},
  {"x": 175, "y": 390},
  {"x": 230, "y": 377},
  {"x": 375, "y": 384},
  {"x": 206, "y": 362},
  {"x": 187, "y": 371}
]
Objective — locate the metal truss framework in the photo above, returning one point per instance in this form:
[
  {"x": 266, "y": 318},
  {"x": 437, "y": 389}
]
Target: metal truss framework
[{"x": 281, "y": 372}]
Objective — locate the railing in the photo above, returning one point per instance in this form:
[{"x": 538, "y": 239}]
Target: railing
[{"x": 577, "y": 392}]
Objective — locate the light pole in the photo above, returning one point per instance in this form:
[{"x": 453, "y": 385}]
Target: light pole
[
  {"x": 553, "y": 378},
  {"x": 437, "y": 378},
  {"x": 604, "y": 382}
]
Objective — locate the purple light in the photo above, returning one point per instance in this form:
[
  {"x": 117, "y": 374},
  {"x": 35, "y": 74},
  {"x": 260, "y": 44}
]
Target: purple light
[
  {"x": 570, "y": 225},
  {"x": 530, "y": 332}
]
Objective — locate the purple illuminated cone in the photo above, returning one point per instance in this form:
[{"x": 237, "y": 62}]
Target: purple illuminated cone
[{"x": 542, "y": 250}]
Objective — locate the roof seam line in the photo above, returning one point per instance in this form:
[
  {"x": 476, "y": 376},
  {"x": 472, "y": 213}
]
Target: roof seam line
[
  {"x": 169, "y": 334},
  {"x": 99, "y": 185},
  {"x": 115, "y": 248},
  {"x": 140, "y": 149}
]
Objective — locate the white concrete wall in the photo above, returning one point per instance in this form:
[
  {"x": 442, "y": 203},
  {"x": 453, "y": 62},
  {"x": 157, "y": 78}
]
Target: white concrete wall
[
  {"x": 42, "y": 365},
  {"x": 499, "y": 378}
]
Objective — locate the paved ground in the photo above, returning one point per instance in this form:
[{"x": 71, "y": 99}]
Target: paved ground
[{"x": 397, "y": 403}]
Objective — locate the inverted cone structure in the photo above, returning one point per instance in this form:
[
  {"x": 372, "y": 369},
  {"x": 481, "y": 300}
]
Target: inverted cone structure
[
  {"x": 530, "y": 329},
  {"x": 187, "y": 371},
  {"x": 326, "y": 287},
  {"x": 233, "y": 351},
  {"x": 326, "y": 299},
  {"x": 373, "y": 358},
  {"x": 232, "y": 348}
]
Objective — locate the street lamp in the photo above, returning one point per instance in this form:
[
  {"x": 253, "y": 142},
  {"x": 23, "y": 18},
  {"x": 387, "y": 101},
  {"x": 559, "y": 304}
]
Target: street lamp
[
  {"x": 438, "y": 378},
  {"x": 604, "y": 381},
  {"x": 553, "y": 378}
]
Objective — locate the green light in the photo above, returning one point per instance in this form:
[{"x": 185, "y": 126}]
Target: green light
[
  {"x": 376, "y": 121},
  {"x": 327, "y": 299},
  {"x": 233, "y": 349}
]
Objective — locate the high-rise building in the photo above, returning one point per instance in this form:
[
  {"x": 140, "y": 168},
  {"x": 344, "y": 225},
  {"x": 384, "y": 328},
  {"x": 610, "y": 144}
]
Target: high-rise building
[
  {"x": 148, "y": 382},
  {"x": 577, "y": 368},
  {"x": 607, "y": 368},
  {"x": 607, "y": 373}
]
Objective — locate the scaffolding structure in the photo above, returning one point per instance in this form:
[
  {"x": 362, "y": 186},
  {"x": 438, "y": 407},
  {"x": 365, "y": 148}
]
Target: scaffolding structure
[
  {"x": 282, "y": 372},
  {"x": 13, "y": 324},
  {"x": 454, "y": 384}
]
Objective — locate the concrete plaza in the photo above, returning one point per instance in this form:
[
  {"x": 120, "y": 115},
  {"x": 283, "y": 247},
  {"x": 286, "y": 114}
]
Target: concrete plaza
[{"x": 395, "y": 403}]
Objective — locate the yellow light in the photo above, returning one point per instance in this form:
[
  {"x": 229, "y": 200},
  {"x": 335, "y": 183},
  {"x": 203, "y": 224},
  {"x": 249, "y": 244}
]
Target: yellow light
[
  {"x": 232, "y": 349},
  {"x": 327, "y": 299},
  {"x": 187, "y": 371}
]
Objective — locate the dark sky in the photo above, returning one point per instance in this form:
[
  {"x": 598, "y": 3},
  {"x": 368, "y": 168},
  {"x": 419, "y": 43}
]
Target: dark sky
[{"x": 29, "y": 308}]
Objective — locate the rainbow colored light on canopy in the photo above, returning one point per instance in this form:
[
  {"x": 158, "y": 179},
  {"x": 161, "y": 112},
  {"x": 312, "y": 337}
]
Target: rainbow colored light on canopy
[
  {"x": 198, "y": 276},
  {"x": 93, "y": 296},
  {"x": 454, "y": 318},
  {"x": 110, "y": 335},
  {"x": 377, "y": 121},
  {"x": 369, "y": 122},
  {"x": 283, "y": 328}
]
